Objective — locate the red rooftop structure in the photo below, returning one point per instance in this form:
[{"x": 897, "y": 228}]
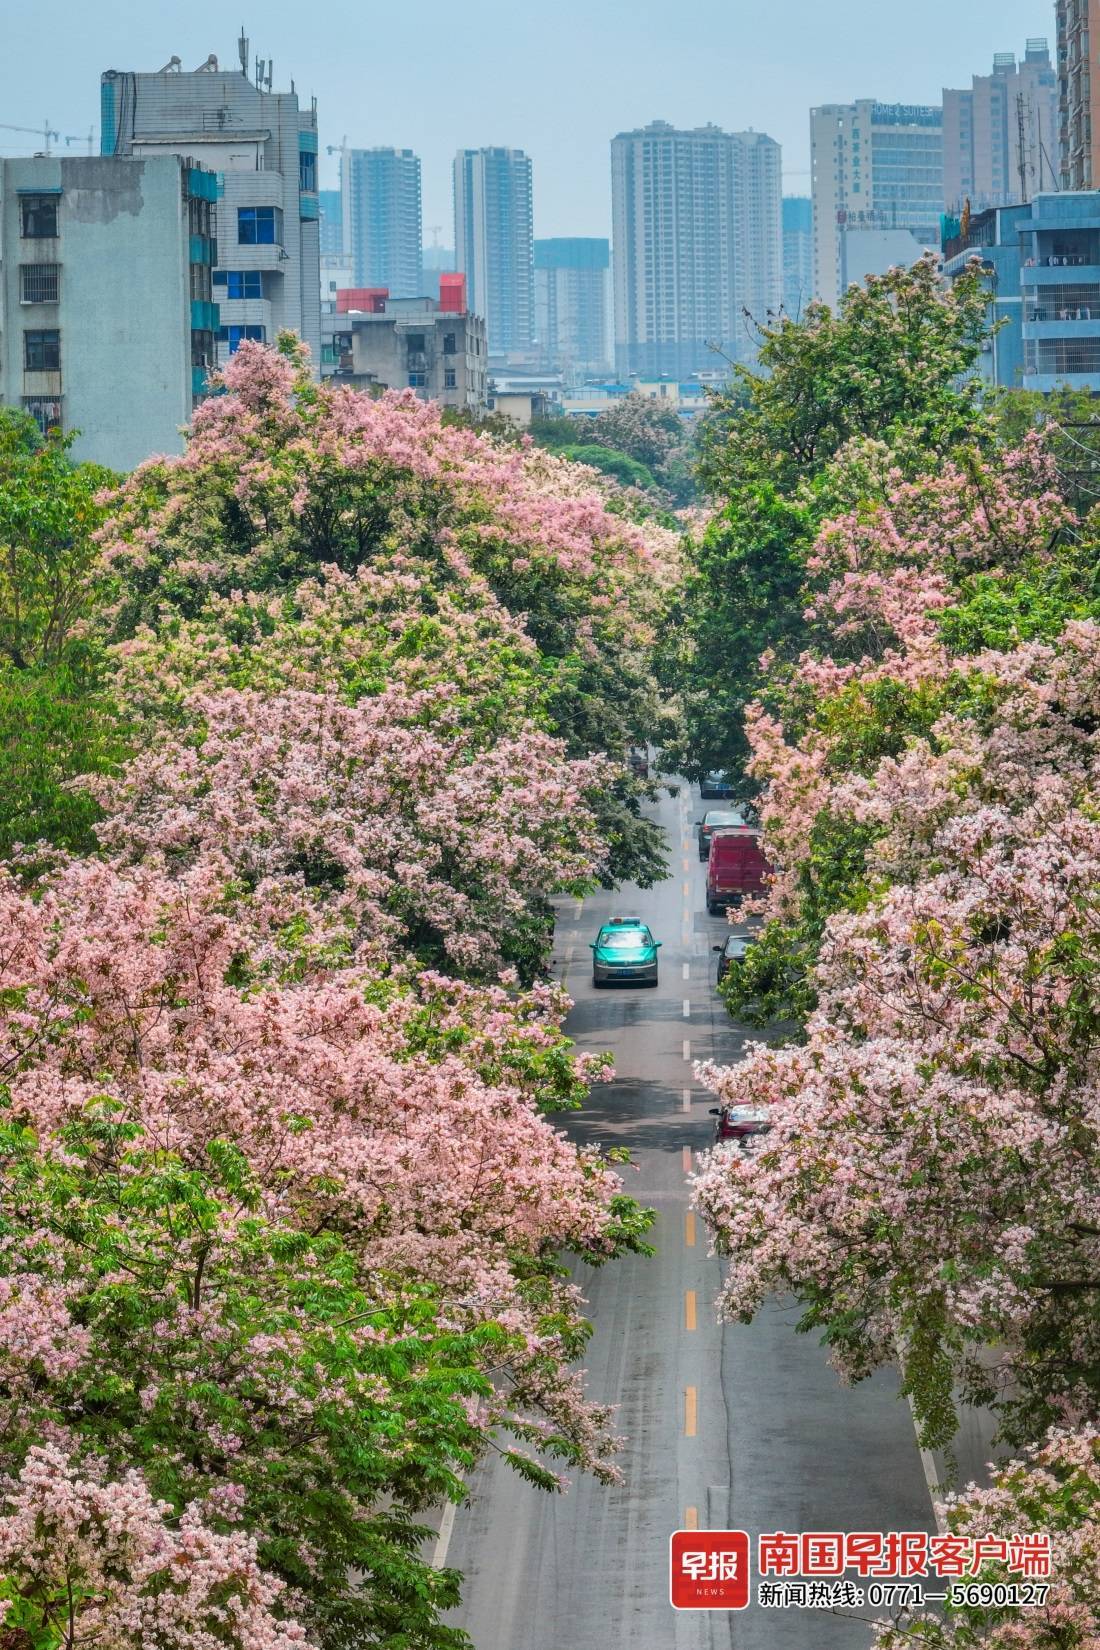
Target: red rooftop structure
[
  {"x": 452, "y": 294},
  {"x": 370, "y": 300}
]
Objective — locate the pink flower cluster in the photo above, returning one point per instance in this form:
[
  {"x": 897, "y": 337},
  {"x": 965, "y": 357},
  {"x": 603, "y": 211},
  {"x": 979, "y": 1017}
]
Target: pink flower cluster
[
  {"x": 930, "y": 1182},
  {"x": 100, "y": 1562}
]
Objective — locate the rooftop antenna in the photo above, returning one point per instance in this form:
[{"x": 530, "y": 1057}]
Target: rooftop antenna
[
  {"x": 242, "y": 51},
  {"x": 260, "y": 67},
  {"x": 1021, "y": 143},
  {"x": 270, "y": 71}
]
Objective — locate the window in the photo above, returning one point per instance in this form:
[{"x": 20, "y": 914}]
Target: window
[
  {"x": 259, "y": 225},
  {"x": 307, "y": 173},
  {"x": 240, "y": 283},
  {"x": 42, "y": 351},
  {"x": 450, "y": 343},
  {"x": 201, "y": 288},
  {"x": 39, "y": 283},
  {"x": 45, "y": 412},
  {"x": 450, "y": 378},
  {"x": 38, "y": 217},
  {"x": 234, "y": 336},
  {"x": 418, "y": 380},
  {"x": 200, "y": 217},
  {"x": 415, "y": 342}
]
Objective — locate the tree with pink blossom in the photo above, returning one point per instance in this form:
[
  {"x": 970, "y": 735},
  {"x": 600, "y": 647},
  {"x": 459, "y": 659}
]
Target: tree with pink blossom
[{"x": 1053, "y": 1491}]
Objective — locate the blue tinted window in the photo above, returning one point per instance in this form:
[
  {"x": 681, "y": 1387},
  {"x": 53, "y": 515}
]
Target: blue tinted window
[
  {"x": 234, "y": 336},
  {"x": 256, "y": 225},
  {"x": 240, "y": 283}
]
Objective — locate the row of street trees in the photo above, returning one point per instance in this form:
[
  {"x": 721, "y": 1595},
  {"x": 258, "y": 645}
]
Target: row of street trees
[
  {"x": 921, "y": 712},
  {"x": 284, "y": 1222}
]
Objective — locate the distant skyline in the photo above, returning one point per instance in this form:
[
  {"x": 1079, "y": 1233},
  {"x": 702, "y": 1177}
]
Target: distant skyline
[{"x": 557, "y": 82}]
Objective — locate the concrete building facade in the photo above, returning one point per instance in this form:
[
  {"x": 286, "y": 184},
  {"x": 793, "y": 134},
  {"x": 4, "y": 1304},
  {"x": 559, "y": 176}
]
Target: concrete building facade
[
  {"x": 1078, "y": 26},
  {"x": 798, "y": 254},
  {"x": 571, "y": 303},
  {"x": 697, "y": 235},
  {"x": 410, "y": 343},
  {"x": 494, "y": 244},
  {"x": 380, "y": 194},
  {"x": 1000, "y": 137},
  {"x": 874, "y": 166},
  {"x": 1042, "y": 265},
  {"x": 107, "y": 318},
  {"x": 263, "y": 149}
]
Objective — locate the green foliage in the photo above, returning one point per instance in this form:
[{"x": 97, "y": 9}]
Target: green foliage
[
  {"x": 998, "y": 613},
  {"x": 57, "y": 722},
  {"x": 208, "y": 1323},
  {"x": 869, "y": 720},
  {"x": 639, "y": 441},
  {"x": 619, "y": 466},
  {"x": 48, "y": 560},
  {"x": 741, "y": 599},
  {"x": 887, "y": 364},
  {"x": 772, "y": 981}
]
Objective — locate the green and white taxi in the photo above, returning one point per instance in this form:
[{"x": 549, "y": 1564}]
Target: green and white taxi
[{"x": 624, "y": 951}]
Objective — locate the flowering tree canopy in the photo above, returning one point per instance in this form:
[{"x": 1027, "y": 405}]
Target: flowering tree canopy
[
  {"x": 931, "y": 1180},
  {"x": 285, "y": 1218},
  {"x": 1054, "y": 1491}
]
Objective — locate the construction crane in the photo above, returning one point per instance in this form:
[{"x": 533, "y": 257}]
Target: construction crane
[{"x": 48, "y": 135}]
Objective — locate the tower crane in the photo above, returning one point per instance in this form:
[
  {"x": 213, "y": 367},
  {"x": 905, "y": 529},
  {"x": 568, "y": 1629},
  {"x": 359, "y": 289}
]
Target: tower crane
[{"x": 47, "y": 134}]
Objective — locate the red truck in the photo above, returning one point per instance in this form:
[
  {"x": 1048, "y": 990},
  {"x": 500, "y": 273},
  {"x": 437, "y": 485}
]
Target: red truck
[{"x": 735, "y": 867}]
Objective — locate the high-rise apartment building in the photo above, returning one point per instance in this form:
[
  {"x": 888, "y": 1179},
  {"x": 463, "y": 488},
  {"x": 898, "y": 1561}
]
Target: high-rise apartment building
[
  {"x": 798, "y": 254},
  {"x": 494, "y": 243},
  {"x": 380, "y": 190},
  {"x": 263, "y": 148},
  {"x": 331, "y": 214},
  {"x": 697, "y": 228},
  {"x": 107, "y": 318},
  {"x": 1078, "y": 24},
  {"x": 1000, "y": 138},
  {"x": 571, "y": 303},
  {"x": 876, "y": 168}
]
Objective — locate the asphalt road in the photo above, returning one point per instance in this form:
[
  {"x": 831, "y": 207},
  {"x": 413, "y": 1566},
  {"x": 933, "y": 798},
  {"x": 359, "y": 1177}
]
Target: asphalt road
[{"x": 730, "y": 1426}]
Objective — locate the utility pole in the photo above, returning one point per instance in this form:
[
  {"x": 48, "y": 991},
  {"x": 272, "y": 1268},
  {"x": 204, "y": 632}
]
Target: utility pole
[{"x": 1021, "y": 144}]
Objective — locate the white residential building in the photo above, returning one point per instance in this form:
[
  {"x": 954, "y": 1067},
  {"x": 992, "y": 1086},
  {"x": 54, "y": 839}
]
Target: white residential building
[
  {"x": 698, "y": 246},
  {"x": 107, "y": 322},
  {"x": 263, "y": 148},
  {"x": 875, "y": 166}
]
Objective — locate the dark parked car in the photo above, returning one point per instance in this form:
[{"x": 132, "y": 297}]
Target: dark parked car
[
  {"x": 716, "y": 784},
  {"x": 740, "y": 1123},
  {"x": 713, "y": 820},
  {"x": 732, "y": 952}
]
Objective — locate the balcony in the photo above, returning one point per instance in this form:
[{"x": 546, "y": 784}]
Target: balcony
[
  {"x": 1048, "y": 382},
  {"x": 1042, "y": 275}
]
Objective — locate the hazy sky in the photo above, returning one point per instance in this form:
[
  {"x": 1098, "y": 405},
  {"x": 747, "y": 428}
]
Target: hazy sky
[{"x": 558, "y": 78}]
